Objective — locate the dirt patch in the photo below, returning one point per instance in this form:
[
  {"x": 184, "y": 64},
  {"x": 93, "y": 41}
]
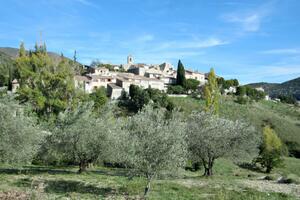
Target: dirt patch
[
  {"x": 190, "y": 183},
  {"x": 272, "y": 186},
  {"x": 14, "y": 195}
]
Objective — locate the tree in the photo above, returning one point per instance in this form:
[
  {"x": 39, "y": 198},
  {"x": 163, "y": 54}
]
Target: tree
[
  {"x": 210, "y": 138},
  {"x": 270, "y": 151},
  {"x": 48, "y": 87},
  {"x": 212, "y": 93},
  {"x": 175, "y": 89},
  {"x": 191, "y": 85},
  {"x": 241, "y": 91},
  {"x": 152, "y": 143},
  {"x": 19, "y": 136},
  {"x": 82, "y": 137},
  {"x": 22, "y": 51},
  {"x": 180, "y": 78},
  {"x": 75, "y": 57},
  {"x": 99, "y": 98},
  {"x": 138, "y": 97}
]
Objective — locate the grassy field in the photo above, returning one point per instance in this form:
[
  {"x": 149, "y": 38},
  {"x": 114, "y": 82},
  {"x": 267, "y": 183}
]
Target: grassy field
[
  {"x": 229, "y": 182},
  {"x": 284, "y": 118}
]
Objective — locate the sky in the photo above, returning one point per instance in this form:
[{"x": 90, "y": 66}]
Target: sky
[{"x": 251, "y": 40}]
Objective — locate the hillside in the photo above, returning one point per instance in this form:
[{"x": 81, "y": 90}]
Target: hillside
[
  {"x": 7, "y": 57},
  {"x": 287, "y": 88},
  {"x": 284, "y": 118},
  {"x": 14, "y": 52},
  {"x": 6, "y": 63}
]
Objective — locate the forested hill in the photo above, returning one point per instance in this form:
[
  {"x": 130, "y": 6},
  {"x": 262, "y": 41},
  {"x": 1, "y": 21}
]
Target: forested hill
[
  {"x": 287, "y": 88},
  {"x": 14, "y": 52},
  {"x": 7, "y": 57}
]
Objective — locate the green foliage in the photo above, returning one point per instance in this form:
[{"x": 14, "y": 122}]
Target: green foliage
[
  {"x": 271, "y": 150},
  {"x": 210, "y": 138},
  {"x": 212, "y": 93},
  {"x": 175, "y": 89},
  {"x": 191, "y": 85},
  {"x": 226, "y": 84},
  {"x": 49, "y": 88},
  {"x": 153, "y": 143},
  {"x": 242, "y": 100},
  {"x": 288, "y": 88},
  {"x": 250, "y": 92},
  {"x": 180, "y": 78},
  {"x": 241, "y": 91},
  {"x": 19, "y": 136},
  {"x": 7, "y": 70},
  {"x": 287, "y": 99},
  {"x": 22, "y": 51},
  {"x": 99, "y": 98},
  {"x": 139, "y": 97},
  {"x": 80, "y": 137}
]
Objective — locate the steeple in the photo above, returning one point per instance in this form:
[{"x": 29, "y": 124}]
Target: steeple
[{"x": 130, "y": 59}]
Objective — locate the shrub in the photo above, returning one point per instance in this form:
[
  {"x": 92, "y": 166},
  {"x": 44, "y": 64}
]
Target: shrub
[
  {"x": 270, "y": 151},
  {"x": 175, "y": 89}
]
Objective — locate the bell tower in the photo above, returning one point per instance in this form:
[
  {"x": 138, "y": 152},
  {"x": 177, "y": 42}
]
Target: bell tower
[{"x": 130, "y": 59}]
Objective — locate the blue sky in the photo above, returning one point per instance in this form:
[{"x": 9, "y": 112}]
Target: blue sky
[{"x": 254, "y": 40}]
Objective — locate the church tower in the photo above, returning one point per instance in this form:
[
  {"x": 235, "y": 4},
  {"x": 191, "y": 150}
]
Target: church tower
[{"x": 130, "y": 59}]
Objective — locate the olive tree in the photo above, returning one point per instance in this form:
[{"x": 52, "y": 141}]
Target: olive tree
[
  {"x": 20, "y": 137},
  {"x": 210, "y": 138},
  {"x": 81, "y": 136},
  {"x": 153, "y": 142}
]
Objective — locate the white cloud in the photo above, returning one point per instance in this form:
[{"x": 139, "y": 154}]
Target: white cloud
[
  {"x": 249, "y": 23},
  {"x": 250, "y": 20},
  {"x": 192, "y": 44},
  {"x": 282, "y": 51}
]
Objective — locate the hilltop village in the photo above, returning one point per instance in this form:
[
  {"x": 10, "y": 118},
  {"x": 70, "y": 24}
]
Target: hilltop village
[{"x": 156, "y": 76}]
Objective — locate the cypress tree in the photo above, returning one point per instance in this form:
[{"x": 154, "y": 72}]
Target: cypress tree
[{"x": 180, "y": 74}]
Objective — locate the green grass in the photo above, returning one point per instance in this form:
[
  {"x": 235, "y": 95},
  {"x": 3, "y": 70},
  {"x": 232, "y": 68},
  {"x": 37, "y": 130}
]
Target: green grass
[
  {"x": 283, "y": 117},
  {"x": 41, "y": 182}
]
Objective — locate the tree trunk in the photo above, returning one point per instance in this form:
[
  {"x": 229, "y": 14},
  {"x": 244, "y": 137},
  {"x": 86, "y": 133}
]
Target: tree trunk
[
  {"x": 208, "y": 167},
  {"x": 268, "y": 169},
  {"x": 147, "y": 188},
  {"x": 208, "y": 171},
  {"x": 82, "y": 166}
]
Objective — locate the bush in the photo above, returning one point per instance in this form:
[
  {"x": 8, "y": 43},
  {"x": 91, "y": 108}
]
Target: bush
[
  {"x": 270, "y": 151},
  {"x": 242, "y": 100},
  {"x": 175, "y": 89}
]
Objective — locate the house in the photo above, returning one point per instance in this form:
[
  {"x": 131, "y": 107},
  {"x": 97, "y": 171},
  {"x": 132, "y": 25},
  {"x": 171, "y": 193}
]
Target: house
[
  {"x": 114, "y": 91},
  {"x": 195, "y": 75},
  {"x": 15, "y": 85},
  {"x": 81, "y": 81},
  {"x": 98, "y": 81},
  {"x": 230, "y": 90},
  {"x": 124, "y": 80}
]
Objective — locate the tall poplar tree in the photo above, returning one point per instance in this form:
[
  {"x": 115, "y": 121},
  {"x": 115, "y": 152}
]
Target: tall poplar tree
[{"x": 212, "y": 93}]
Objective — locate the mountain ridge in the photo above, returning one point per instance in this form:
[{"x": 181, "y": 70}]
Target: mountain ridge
[{"x": 287, "y": 88}]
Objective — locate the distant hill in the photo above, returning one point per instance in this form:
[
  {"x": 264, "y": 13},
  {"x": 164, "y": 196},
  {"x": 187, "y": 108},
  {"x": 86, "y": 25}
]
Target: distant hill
[
  {"x": 287, "y": 88},
  {"x": 14, "y": 52},
  {"x": 6, "y": 63},
  {"x": 7, "y": 57}
]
